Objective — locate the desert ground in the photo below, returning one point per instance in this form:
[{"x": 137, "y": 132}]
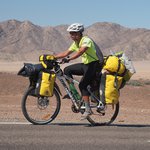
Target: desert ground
[{"x": 134, "y": 100}]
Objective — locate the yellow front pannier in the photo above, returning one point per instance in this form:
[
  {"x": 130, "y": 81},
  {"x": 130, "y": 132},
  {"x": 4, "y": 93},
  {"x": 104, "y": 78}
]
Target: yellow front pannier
[
  {"x": 47, "y": 61},
  {"x": 109, "y": 88},
  {"x": 45, "y": 84}
]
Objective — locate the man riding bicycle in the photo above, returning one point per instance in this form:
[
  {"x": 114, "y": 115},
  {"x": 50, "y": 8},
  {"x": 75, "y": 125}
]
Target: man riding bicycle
[{"x": 86, "y": 48}]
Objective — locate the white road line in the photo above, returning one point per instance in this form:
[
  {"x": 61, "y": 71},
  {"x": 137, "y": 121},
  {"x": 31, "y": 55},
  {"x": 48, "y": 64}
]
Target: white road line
[{"x": 15, "y": 123}]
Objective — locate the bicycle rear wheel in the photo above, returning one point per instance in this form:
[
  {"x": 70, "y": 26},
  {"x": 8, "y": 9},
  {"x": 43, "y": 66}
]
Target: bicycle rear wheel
[
  {"x": 40, "y": 110},
  {"x": 106, "y": 117}
]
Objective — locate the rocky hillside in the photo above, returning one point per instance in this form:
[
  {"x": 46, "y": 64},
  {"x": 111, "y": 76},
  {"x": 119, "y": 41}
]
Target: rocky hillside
[{"x": 26, "y": 41}]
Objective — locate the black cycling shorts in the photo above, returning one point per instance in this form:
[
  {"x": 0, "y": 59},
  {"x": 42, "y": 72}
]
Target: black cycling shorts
[{"x": 88, "y": 71}]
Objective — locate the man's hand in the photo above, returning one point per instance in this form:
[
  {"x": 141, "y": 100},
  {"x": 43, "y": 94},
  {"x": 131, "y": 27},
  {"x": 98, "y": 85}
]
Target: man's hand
[{"x": 65, "y": 60}]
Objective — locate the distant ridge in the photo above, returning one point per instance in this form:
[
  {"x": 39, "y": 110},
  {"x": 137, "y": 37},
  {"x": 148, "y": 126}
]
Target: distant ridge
[{"x": 21, "y": 41}]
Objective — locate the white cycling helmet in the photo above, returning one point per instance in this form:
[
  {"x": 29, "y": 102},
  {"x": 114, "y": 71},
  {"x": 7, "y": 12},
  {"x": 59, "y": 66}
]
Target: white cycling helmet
[{"x": 76, "y": 27}]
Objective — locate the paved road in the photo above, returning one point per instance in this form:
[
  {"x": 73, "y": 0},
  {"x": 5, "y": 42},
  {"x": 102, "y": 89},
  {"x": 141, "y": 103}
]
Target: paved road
[{"x": 74, "y": 137}]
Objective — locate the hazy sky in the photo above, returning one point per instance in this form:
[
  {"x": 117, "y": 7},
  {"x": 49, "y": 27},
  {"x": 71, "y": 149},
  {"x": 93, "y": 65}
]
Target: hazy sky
[{"x": 128, "y": 13}]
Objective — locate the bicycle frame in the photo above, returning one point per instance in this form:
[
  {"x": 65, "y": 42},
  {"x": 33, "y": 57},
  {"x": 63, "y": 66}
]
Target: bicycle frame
[{"x": 64, "y": 81}]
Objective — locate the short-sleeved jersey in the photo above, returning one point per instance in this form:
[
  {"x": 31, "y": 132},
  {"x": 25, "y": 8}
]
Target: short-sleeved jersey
[{"x": 90, "y": 54}]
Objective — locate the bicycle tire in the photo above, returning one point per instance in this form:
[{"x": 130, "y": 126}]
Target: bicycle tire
[
  {"x": 105, "y": 120},
  {"x": 31, "y": 112}
]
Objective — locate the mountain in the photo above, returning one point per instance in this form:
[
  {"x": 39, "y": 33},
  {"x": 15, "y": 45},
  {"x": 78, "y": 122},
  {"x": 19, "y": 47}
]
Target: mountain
[{"x": 22, "y": 41}]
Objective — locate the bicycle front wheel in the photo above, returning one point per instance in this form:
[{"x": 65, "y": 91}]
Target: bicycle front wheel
[
  {"x": 105, "y": 117},
  {"x": 40, "y": 110}
]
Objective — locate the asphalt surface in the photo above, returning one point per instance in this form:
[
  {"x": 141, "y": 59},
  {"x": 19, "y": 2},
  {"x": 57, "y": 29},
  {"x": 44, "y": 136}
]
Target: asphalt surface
[{"x": 74, "y": 136}]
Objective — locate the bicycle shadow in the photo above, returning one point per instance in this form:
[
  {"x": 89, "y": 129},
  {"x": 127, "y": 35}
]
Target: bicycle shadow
[
  {"x": 102, "y": 125},
  {"x": 131, "y": 125},
  {"x": 71, "y": 124}
]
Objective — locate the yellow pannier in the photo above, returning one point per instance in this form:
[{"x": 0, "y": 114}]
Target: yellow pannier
[
  {"x": 109, "y": 88},
  {"x": 114, "y": 65},
  {"x": 45, "y": 84},
  {"x": 47, "y": 61}
]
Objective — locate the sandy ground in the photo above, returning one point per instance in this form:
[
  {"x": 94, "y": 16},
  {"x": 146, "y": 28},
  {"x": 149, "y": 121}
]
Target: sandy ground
[
  {"x": 142, "y": 68},
  {"x": 134, "y": 100}
]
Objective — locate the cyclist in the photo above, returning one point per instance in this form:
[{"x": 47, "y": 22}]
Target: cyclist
[{"x": 86, "y": 48}]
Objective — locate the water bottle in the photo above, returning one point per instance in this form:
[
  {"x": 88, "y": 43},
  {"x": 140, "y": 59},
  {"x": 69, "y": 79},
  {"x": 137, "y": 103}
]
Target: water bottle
[{"x": 74, "y": 92}]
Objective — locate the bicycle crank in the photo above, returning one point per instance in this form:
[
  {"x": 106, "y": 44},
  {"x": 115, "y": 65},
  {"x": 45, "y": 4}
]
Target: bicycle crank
[{"x": 74, "y": 109}]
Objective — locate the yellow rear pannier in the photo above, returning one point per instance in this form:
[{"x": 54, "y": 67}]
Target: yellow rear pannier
[
  {"x": 114, "y": 65},
  {"x": 109, "y": 88},
  {"x": 45, "y": 84}
]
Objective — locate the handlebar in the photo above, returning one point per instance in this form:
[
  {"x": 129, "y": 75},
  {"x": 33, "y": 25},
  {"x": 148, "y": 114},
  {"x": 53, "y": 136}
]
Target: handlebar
[{"x": 64, "y": 60}]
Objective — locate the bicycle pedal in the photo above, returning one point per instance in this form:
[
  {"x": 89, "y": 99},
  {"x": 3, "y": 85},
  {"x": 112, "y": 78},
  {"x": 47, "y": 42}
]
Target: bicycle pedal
[{"x": 82, "y": 107}]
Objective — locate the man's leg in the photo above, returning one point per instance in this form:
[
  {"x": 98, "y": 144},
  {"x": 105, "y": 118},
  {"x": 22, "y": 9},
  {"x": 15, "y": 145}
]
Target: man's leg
[
  {"x": 89, "y": 72},
  {"x": 75, "y": 69}
]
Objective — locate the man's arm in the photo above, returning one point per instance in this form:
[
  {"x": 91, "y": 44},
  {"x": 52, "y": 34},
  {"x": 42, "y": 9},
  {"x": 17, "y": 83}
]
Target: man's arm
[
  {"x": 63, "y": 54},
  {"x": 79, "y": 53}
]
